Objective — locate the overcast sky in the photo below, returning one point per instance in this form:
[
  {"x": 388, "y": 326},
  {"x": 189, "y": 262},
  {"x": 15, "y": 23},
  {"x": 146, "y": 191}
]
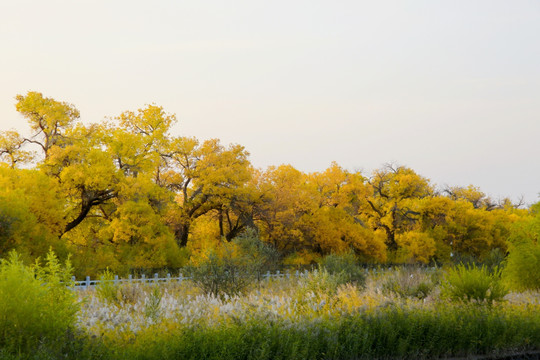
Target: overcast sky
[{"x": 449, "y": 88}]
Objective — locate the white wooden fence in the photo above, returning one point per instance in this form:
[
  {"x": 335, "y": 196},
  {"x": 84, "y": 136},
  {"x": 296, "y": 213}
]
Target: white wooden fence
[{"x": 88, "y": 282}]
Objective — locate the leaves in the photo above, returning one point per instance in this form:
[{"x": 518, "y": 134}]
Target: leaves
[{"x": 128, "y": 193}]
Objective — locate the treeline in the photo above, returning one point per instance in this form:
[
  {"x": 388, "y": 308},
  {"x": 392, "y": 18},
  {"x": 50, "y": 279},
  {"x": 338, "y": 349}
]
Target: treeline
[{"x": 126, "y": 194}]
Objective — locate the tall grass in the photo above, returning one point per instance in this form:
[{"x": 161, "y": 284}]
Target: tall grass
[
  {"x": 317, "y": 317},
  {"x": 391, "y": 332}
]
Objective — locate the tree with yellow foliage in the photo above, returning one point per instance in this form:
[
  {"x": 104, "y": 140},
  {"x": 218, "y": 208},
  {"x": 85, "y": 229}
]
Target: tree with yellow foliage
[
  {"x": 203, "y": 176},
  {"x": 334, "y": 226},
  {"x": 390, "y": 203},
  {"x": 287, "y": 198}
]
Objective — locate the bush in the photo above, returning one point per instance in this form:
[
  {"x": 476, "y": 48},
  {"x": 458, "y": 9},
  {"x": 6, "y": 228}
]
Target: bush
[
  {"x": 345, "y": 266},
  {"x": 256, "y": 255},
  {"x": 36, "y": 306},
  {"x": 470, "y": 283},
  {"x": 221, "y": 276},
  {"x": 106, "y": 289}
]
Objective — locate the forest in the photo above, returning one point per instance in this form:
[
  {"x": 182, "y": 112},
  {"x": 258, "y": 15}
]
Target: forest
[{"x": 124, "y": 194}]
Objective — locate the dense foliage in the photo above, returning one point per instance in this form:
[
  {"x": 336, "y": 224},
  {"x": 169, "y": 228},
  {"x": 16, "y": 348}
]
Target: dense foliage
[
  {"x": 126, "y": 194},
  {"x": 37, "y": 308}
]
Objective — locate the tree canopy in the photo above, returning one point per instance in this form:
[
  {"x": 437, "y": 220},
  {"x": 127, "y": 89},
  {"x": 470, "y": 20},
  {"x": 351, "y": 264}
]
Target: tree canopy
[{"x": 126, "y": 193}]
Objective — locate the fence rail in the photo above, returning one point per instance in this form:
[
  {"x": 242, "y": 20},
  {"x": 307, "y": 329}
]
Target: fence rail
[{"x": 88, "y": 282}]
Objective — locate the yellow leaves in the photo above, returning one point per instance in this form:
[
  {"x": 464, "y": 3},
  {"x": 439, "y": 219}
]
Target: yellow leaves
[
  {"x": 334, "y": 231},
  {"x": 136, "y": 222},
  {"x": 30, "y": 212},
  {"x": 398, "y": 183},
  {"x": 11, "y": 148},
  {"x": 151, "y": 121},
  {"x": 419, "y": 245},
  {"x": 470, "y": 193},
  {"x": 220, "y": 169},
  {"x": 88, "y": 168},
  {"x": 204, "y": 235},
  {"x": 130, "y": 193},
  {"x": 45, "y": 112},
  {"x": 302, "y": 257}
]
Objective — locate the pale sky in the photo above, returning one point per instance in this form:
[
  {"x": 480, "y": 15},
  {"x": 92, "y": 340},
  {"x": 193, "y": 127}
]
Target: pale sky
[{"x": 449, "y": 88}]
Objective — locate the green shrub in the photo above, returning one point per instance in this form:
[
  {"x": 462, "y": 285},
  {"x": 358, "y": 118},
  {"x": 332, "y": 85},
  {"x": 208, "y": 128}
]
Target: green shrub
[
  {"x": 239, "y": 264},
  {"x": 37, "y": 307},
  {"x": 405, "y": 284},
  {"x": 256, "y": 255},
  {"x": 221, "y": 276},
  {"x": 471, "y": 283},
  {"x": 107, "y": 289},
  {"x": 345, "y": 266}
]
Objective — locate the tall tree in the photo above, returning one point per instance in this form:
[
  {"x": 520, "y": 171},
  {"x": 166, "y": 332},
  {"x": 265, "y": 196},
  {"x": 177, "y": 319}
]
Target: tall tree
[
  {"x": 203, "y": 176},
  {"x": 390, "y": 203}
]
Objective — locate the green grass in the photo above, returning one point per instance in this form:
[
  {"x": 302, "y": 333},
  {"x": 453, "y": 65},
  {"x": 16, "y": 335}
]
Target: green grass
[{"x": 391, "y": 332}]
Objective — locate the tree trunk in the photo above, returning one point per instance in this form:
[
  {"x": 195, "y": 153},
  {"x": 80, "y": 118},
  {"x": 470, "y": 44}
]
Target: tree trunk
[{"x": 181, "y": 234}]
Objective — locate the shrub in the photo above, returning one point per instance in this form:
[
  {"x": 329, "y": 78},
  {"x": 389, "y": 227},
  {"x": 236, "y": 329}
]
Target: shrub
[
  {"x": 106, "y": 289},
  {"x": 345, "y": 266},
  {"x": 234, "y": 266},
  {"x": 220, "y": 276},
  {"x": 471, "y": 283},
  {"x": 256, "y": 255},
  {"x": 36, "y": 305}
]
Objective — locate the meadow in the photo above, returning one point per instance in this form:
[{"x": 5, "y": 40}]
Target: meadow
[{"x": 405, "y": 312}]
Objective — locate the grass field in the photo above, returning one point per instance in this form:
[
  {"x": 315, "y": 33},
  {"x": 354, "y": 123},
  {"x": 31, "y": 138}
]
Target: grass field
[{"x": 397, "y": 313}]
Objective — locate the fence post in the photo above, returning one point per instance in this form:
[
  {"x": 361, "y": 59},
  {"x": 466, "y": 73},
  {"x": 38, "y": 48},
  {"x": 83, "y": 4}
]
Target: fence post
[
  {"x": 87, "y": 282},
  {"x": 143, "y": 278},
  {"x": 168, "y": 277},
  {"x": 156, "y": 277},
  {"x": 297, "y": 273},
  {"x": 115, "y": 280},
  {"x": 130, "y": 278},
  {"x": 180, "y": 278}
]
